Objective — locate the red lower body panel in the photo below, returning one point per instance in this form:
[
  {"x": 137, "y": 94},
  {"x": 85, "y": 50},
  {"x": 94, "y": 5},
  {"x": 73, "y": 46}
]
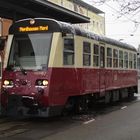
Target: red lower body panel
[
  {"x": 62, "y": 84},
  {"x": 66, "y": 82}
]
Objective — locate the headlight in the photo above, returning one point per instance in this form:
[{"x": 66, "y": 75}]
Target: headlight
[
  {"x": 8, "y": 83},
  {"x": 41, "y": 82},
  {"x": 45, "y": 82}
]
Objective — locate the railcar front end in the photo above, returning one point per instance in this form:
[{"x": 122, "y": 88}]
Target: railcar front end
[{"x": 26, "y": 75}]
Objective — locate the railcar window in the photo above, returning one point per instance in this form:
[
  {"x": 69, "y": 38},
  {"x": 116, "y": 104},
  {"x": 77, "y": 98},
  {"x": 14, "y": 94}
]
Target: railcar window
[
  {"x": 86, "y": 54},
  {"x": 120, "y": 59},
  {"x": 125, "y": 60},
  {"x": 130, "y": 60},
  {"x": 30, "y": 51},
  {"x": 135, "y": 61},
  {"x": 96, "y": 55},
  {"x": 102, "y": 57},
  {"x": 115, "y": 58},
  {"x": 68, "y": 53},
  {"x": 109, "y": 57}
]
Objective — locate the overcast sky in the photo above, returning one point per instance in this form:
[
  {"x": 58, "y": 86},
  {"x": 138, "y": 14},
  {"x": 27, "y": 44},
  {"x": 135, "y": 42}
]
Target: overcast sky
[{"x": 119, "y": 28}]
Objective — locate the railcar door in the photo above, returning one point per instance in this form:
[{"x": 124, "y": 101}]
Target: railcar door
[{"x": 102, "y": 70}]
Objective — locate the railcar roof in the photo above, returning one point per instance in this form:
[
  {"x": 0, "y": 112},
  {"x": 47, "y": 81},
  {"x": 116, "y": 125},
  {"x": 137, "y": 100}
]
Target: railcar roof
[
  {"x": 73, "y": 29},
  {"x": 79, "y": 31}
]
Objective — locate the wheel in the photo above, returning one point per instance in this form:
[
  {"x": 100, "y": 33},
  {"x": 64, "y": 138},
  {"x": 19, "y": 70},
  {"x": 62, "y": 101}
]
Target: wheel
[
  {"x": 81, "y": 105},
  {"x": 108, "y": 97}
]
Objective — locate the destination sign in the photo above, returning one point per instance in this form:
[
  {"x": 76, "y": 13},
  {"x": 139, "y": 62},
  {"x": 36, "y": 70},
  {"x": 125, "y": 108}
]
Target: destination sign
[{"x": 33, "y": 29}]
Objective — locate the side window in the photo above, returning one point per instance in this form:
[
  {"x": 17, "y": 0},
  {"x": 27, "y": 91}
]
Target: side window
[
  {"x": 96, "y": 55},
  {"x": 68, "y": 52},
  {"x": 125, "y": 60},
  {"x": 135, "y": 61},
  {"x": 115, "y": 58},
  {"x": 86, "y": 54},
  {"x": 120, "y": 59},
  {"x": 109, "y": 57},
  {"x": 130, "y": 60},
  {"x": 102, "y": 57}
]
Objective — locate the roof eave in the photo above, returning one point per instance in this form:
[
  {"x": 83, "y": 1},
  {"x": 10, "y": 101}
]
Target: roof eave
[{"x": 80, "y": 18}]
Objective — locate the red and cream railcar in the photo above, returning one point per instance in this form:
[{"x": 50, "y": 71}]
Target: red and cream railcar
[{"x": 50, "y": 66}]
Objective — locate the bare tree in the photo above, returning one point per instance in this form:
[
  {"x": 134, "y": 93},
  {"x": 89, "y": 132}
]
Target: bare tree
[{"x": 128, "y": 8}]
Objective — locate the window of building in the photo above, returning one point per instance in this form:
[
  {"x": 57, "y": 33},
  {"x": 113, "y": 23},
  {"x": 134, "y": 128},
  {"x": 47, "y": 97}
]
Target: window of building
[
  {"x": 130, "y": 60},
  {"x": 75, "y": 7},
  {"x": 109, "y": 57},
  {"x": 135, "y": 61},
  {"x": 93, "y": 22},
  {"x": 115, "y": 58},
  {"x": 120, "y": 59},
  {"x": 86, "y": 54},
  {"x": 125, "y": 60},
  {"x": 68, "y": 53},
  {"x": 96, "y": 56}
]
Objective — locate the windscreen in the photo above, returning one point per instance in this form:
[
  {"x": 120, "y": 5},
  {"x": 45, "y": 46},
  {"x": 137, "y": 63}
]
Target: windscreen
[{"x": 30, "y": 51}]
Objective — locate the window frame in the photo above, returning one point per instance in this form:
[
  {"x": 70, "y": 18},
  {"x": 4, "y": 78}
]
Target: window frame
[
  {"x": 96, "y": 56},
  {"x": 130, "y": 60},
  {"x": 121, "y": 59},
  {"x": 67, "y": 51},
  {"x": 115, "y": 58},
  {"x": 126, "y": 66},
  {"x": 135, "y": 61},
  {"x": 109, "y": 58},
  {"x": 102, "y": 56},
  {"x": 86, "y": 53}
]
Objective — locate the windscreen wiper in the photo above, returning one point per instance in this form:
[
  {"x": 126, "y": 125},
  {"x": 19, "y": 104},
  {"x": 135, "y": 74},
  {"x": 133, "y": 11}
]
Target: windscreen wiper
[
  {"x": 22, "y": 70},
  {"x": 18, "y": 64}
]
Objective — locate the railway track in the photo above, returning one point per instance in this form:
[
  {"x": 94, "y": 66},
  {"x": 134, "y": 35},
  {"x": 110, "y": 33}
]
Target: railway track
[
  {"x": 10, "y": 127},
  {"x": 37, "y": 128}
]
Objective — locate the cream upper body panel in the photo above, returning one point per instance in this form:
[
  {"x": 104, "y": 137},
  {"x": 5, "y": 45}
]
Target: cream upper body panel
[
  {"x": 7, "y": 50},
  {"x": 57, "y": 51}
]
